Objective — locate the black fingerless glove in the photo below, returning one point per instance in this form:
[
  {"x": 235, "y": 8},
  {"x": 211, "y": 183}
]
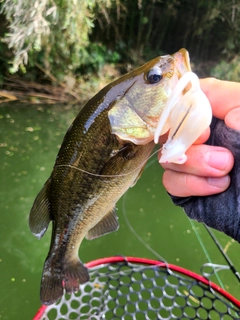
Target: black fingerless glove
[{"x": 220, "y": 211}]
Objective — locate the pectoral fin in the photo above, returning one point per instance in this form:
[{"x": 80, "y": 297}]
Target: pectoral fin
[
  {"x": 39, "y": 217},
  {"x": 109, "y": 223}
]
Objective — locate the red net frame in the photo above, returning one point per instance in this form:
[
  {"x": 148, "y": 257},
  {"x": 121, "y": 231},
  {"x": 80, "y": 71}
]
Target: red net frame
[{"x": 202, "y": 298}]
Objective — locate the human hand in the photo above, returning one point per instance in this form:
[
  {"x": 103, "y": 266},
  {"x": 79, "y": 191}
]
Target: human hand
[{"x": 206, "y": 170}]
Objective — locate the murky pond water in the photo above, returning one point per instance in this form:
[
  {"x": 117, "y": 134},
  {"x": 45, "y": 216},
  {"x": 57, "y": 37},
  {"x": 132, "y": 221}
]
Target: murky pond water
[{"x": 30, "y": 136}]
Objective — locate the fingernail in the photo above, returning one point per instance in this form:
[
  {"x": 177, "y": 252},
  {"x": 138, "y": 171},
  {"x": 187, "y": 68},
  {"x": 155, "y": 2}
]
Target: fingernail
[
  {"x": 221, "y": 183},
  {"x": 217, "y": 159}
]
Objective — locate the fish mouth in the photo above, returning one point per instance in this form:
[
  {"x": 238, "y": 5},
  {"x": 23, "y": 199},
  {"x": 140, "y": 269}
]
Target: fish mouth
[
  {"x": 182, "y": 62},
  {"x": 187, "y": 112},
  {"x": 182, "y": 65}
]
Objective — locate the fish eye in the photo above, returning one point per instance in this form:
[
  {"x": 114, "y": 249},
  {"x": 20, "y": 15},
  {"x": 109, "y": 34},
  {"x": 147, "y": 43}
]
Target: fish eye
[{"x": 154, "y": 75}]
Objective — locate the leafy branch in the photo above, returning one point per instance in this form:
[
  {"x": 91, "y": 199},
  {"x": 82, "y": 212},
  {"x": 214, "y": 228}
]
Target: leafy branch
[{"x": 29, "y": 23}]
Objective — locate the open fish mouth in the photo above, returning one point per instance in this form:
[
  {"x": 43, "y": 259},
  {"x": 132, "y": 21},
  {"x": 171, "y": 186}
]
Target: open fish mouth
[
  {"x": 188, "y": 114},
  {"x": 177, "y": 104}
]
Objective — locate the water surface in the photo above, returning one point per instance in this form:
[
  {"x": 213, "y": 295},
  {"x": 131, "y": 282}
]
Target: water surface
[{"x": 30, "y": 136}]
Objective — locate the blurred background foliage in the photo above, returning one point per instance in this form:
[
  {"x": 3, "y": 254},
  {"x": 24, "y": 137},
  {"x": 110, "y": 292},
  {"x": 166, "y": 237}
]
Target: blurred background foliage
[{"x": 76, "y": 39}]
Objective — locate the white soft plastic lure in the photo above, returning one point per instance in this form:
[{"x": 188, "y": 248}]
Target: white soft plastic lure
[{"x": 188, "y": 114}]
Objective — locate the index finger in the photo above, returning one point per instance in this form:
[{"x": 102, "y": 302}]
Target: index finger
[{"x": 223, "y": 96}]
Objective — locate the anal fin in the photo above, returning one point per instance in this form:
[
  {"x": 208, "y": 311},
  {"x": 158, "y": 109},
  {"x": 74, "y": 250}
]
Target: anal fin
[
  {"x": 109, "y": 223},
  {"x": 39, "y": 217}
]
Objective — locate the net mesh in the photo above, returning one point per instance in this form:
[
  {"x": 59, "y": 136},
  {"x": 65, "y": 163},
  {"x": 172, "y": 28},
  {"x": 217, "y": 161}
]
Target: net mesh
[{"x": 126, "y": 290}]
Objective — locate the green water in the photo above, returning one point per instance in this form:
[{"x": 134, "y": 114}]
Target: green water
[{"x": 30, "y": 136}]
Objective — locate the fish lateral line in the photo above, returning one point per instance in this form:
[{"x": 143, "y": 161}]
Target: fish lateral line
[{"x": 108, "y": 175}]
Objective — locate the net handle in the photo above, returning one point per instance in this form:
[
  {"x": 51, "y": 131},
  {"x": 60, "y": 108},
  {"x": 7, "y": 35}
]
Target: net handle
[{"x": 136, "y": 260}]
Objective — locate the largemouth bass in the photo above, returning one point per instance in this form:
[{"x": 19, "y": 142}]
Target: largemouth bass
[{"x": 103, "y": 154}]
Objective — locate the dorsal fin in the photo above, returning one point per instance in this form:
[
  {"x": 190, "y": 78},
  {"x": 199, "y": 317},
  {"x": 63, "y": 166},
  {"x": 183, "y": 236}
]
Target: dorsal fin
[
  {"x": 39, "y": 217},
  {"x": 109, "y": 223}
]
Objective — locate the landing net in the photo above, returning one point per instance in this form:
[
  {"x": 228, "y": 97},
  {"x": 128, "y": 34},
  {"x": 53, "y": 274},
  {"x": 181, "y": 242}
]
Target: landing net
[{"x": 136, "y": 288}]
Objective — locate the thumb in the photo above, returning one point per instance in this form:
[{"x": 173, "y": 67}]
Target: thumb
[{"x": 223, "y": 96}]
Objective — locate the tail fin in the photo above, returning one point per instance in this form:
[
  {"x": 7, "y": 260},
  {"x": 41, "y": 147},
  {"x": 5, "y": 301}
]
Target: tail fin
[
  {"x": 51, "y": 285},
  {"x": 74, "y": 273},
  {"x": 56, "y": 277}
]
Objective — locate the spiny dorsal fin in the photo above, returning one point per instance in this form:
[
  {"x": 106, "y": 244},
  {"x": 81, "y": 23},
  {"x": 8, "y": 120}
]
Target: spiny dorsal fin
[
  {"x": 39, "y": 217},
  {"x": 109, "y": 223}
]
